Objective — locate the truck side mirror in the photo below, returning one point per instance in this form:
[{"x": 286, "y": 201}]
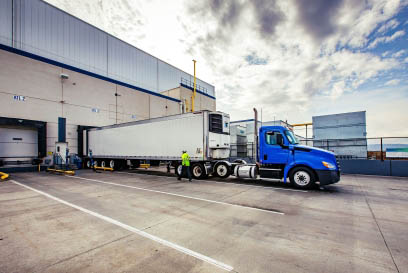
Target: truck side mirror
[{"x": 279, "y": 139}]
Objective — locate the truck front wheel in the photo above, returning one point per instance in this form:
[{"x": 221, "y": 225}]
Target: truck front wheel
[
  {"x": 302, "y": 177},
  {"x": 222, "y": 170}
]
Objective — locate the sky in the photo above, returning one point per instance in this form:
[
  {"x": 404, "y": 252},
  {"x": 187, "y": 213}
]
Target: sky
[{"x": 293, "y": 59}]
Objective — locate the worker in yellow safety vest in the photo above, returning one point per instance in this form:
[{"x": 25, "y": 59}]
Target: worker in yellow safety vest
[{"x": 185, "y": 166}]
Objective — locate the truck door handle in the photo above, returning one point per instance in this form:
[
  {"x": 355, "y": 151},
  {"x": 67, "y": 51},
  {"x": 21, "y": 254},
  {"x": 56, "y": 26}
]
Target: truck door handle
[{"x": 265, "y": 157}]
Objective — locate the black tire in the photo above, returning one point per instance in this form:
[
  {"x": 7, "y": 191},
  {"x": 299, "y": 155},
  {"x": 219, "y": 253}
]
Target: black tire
[
  {"x": 177, "y": 169},
  {"x": 198, "y": 171},
  {"x": 222, "y": 170},
  {"x": 88, "y": 164},
  {"x": 113, "y": 164},
  {"x": 104, "y": 163},
  {"x": 302, "y": 178}
]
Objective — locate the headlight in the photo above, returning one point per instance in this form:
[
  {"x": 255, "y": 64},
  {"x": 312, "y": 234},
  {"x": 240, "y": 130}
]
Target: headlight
[{"x": 328, "y": 165}]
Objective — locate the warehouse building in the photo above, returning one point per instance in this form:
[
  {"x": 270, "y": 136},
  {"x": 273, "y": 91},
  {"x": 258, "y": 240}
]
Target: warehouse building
[
  {"x": 345, "y": 134},
  {"x": 59, "y": 75}
]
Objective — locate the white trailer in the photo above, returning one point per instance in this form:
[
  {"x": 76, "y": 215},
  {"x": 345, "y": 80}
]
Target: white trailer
[{"x": 204, "y": 135}]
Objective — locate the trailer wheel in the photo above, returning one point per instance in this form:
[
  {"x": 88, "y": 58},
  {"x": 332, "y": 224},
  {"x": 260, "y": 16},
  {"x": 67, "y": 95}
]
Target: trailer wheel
[
  {"x": 177, "y": 169},
  {"x": 112, "y": 164},
  {"x": 198, "y": 171},
  {"x": 103, "y": 163},
  {"x": 302, "y": 177},
  {"x": 222, "y": 170},
  {"x": 88, "y": 164}
]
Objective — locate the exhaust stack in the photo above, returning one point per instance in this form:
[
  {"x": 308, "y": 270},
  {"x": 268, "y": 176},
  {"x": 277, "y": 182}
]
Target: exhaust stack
[{"x": 256, "y": 135}]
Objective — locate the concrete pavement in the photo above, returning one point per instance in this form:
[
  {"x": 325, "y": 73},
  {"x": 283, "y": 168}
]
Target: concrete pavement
[{"x": 358, "y": 225}]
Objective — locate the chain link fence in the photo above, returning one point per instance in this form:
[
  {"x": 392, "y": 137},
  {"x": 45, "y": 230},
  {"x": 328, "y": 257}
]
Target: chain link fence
[{"x": 380, "y": 148}]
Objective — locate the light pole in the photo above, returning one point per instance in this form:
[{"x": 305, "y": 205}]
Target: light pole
[
  {"x": 194, "y": 94},
  {"x": 116, "y": 98}
]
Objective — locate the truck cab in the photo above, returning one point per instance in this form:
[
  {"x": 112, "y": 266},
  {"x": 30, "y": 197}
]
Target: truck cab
[{"x": 281, "y": 156}]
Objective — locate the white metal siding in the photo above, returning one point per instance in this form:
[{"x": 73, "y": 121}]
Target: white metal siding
[
  {"x": 18, "y": 143},
  {"x": 46, "y": 31},
  {"x": 129, "y": 64},
  {"x": 49, "y": 32},
  {"x": 5, "y": 22}
]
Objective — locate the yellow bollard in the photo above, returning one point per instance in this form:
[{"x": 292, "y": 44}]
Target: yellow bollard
[
  {"x": 3, "y": 176},
  {"x": 103, "y": 168},
  {"x": 61, "y": 171}
]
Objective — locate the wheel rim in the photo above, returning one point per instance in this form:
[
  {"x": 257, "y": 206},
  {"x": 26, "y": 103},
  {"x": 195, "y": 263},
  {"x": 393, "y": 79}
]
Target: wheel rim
[
  {"x": 197, "y": 171},
  {"x": 112, "y": 163},
  {"x": 103, "y": 164},
  {"x": 88, "y": 163},
  {"x": 222, "y": 170},
  {"x": 302, "y": 178},
  {"x": 179, "y": 169},
  {"x": 96, "y": 163}
]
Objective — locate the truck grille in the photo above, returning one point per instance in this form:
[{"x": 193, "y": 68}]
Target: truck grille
[{"x": 338, "y": 164}]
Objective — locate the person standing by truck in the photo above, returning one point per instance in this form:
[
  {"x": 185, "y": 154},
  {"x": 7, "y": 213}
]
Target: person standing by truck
[{"x": 185, "y": 166}]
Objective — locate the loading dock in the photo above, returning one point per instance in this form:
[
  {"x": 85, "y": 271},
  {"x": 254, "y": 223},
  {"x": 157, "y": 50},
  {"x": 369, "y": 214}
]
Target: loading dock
[{"x": 22, "y": 141}]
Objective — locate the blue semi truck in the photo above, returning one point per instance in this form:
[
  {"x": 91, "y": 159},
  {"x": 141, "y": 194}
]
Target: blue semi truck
[{"x": 279, "y": 156}]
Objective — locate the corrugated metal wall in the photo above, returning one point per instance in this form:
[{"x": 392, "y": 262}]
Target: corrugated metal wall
[
  {"x": 344, "y": 134},
  {"x": 340, "y": 126},
  {"x": 44, "y": 30},
  {"x": 5, "y": 22}
]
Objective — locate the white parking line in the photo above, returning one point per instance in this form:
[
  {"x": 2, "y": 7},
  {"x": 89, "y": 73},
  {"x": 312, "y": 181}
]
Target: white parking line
[
  {"x": 178, "y": 195},
  {"x": 134, "y": 230},
  {"x": 218, "y": 182}
]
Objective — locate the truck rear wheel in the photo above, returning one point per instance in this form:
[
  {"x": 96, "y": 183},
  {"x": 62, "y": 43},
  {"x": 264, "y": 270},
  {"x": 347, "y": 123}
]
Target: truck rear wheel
[
  {"x": 222, "y": 170},
  {"x": 103, "y": 163},
  {"x": 198, "y": 171},
  {"x": 302, "y": 177}
]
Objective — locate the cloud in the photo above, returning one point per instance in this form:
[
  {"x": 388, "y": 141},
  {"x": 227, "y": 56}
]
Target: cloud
[
  {"x": 318, "y": 17},
  {"x": 386, "y": 39},
  {"x": 388, "y": 26},
  {"x": 268, "y": 15},
  {"x": 392, "y": 82},
  {"x": 399, "y": 53}
]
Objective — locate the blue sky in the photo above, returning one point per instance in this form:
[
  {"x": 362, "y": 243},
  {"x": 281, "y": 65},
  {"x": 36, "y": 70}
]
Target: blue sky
[{"x": 292, "y": 58}]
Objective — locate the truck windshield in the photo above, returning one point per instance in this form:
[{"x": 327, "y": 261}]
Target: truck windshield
[{"x": 291, "y": 137}]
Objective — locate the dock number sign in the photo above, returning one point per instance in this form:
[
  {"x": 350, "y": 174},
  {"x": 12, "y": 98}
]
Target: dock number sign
[{"x": 19, "y": 98}]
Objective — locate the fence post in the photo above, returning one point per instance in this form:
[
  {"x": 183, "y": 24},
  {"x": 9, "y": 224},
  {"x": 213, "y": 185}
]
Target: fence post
[{"x": 382, "y": 157}]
